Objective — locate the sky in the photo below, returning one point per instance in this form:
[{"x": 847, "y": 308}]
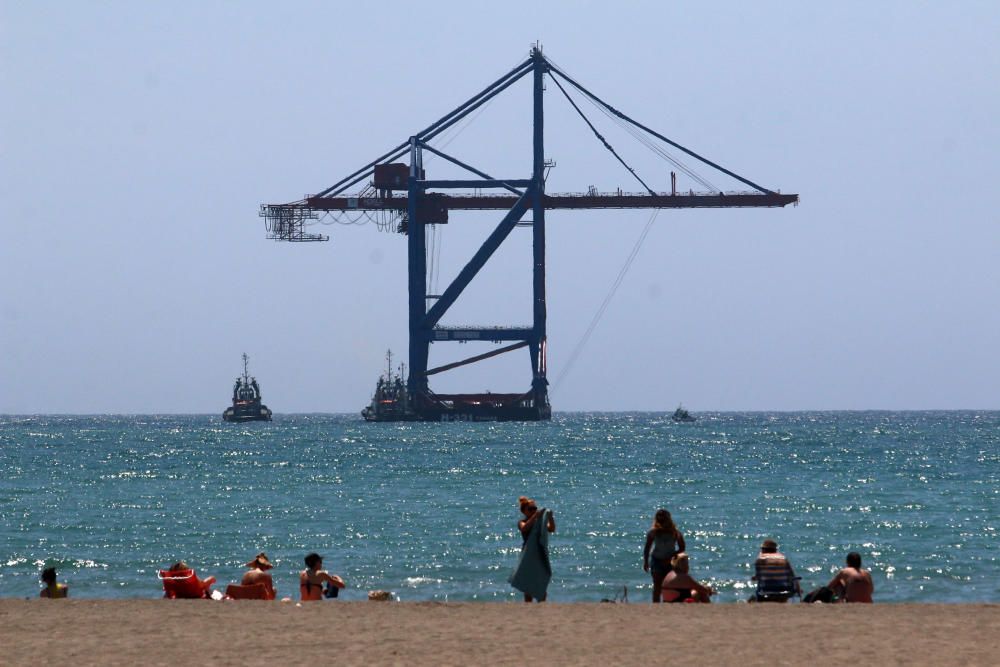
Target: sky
[{"x": 138, "y": 140}]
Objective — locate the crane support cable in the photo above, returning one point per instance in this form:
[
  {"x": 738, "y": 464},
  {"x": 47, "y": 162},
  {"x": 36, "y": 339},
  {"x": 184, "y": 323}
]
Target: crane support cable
[
  {"x": 574, "y": 355},
  {"x": 654, "y": 146},
  {"x": 436, "y": 127},
  {"x": 601, "y": 137},
  {"x": 648, "y": 142},
  {"x": 502, "y": 84},
  {"x": 572, "y": 82},
  {"x": 365, "y": 171},
  {"x": 455, "y": 161}
]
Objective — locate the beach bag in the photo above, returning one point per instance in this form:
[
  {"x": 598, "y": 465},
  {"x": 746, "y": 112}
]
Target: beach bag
[{"x": 821, "y": 594}]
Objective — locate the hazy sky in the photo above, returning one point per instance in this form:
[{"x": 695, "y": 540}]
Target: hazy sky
[{"x": 139, "y": 139}]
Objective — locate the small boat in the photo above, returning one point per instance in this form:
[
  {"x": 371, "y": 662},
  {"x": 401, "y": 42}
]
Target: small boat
[
  {"x": 682, "y": 415},
  {"x": 246, "y": 405},
  {"x": 390, "y": 402}
]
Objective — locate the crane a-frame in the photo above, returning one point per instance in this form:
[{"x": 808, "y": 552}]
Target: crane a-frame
[{"x": 424, "y": 204}]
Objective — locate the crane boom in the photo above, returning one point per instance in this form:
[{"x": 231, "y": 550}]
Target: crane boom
[{"x": 476, "y": 202}]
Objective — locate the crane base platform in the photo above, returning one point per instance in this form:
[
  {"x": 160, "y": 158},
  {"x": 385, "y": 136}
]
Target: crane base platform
[{"x": 487, "y": 407}]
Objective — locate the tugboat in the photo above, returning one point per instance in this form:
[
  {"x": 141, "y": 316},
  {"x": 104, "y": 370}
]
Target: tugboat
[
  {"x": 682, "y": 415},
  {"x": 391, "y": 402},
  {"x": 246, "y": 405}
]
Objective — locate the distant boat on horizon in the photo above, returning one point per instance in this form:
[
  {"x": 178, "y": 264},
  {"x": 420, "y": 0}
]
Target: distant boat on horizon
[
  {"x": 682, "y": 415},
  {"x": 246, "y": 405}
]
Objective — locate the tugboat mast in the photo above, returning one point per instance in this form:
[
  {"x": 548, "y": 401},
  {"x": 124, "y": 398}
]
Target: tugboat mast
[{"x": 246, "y": 372}]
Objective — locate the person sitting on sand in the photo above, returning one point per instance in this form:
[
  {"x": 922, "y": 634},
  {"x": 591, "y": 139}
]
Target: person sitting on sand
[
  {"x": 679, "y": 586},
  {"x": 200, "y": 588},
  {"x": 852, "y": 583},
  {"x": 534, "y": 570},
  {"x": 52, "y": 589},
  {"x": 258, "y": 574},
  {"x": 312, "y": 578},
  {"x": 776, "y": 581},
  {"x": 663, "y": 542}
]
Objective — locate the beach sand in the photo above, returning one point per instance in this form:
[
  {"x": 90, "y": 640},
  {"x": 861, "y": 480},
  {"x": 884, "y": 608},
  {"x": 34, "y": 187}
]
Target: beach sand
[{"x": 190, "y": 632}]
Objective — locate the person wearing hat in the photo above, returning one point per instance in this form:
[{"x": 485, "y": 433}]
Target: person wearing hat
[
  {"x": 776, "y": 580},
  {"x": 258, "y": 574}
]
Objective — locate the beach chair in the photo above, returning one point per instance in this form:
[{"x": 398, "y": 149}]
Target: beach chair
[
  {"x": 776, "y": 582},
  {"x": 184, "y": 584},
  {"x": 238, "y": 592}
]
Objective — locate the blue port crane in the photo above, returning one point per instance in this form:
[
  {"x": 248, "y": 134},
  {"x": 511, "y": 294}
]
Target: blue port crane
[{"x": 425, "y": 204}]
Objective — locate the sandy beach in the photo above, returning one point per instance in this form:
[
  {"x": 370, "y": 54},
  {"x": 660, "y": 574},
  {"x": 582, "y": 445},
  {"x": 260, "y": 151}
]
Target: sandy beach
[{"x": 153, "y": 632}]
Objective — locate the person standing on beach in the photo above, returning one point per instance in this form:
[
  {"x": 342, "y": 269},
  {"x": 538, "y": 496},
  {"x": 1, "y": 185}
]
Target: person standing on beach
[
  {"x": 258, "y": 574},
  {"x": 663, "y": 542},
  {"x": 312, "y": 578},
  {"x": 853, "y": 583},
  {"x": 52, "y": 589},
  {"x": 533, "y": 571}
]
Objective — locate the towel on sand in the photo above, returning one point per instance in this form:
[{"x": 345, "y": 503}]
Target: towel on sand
[{"x": 533, "y": 570}]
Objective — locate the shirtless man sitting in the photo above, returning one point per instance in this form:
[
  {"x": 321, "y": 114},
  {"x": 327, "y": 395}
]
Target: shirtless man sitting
[
  {"x": 258, "y": 574},
  {"x": 853, "y": 584}
]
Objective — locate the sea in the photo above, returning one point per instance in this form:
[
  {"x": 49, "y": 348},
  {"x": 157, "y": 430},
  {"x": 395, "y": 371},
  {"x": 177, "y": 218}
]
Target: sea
[{"x": 429, "y": 510}]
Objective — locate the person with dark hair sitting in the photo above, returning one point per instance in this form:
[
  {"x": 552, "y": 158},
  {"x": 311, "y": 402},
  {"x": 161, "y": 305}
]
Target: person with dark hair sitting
[
  {"x": 312, "y": 578},
  {"x": 53, "y": 589},
  {"x": 853, "y": 583}
]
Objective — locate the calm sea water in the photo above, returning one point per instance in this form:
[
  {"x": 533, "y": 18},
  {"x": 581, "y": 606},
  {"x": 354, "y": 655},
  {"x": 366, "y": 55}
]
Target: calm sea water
[{"x": 429, "y": 510}]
